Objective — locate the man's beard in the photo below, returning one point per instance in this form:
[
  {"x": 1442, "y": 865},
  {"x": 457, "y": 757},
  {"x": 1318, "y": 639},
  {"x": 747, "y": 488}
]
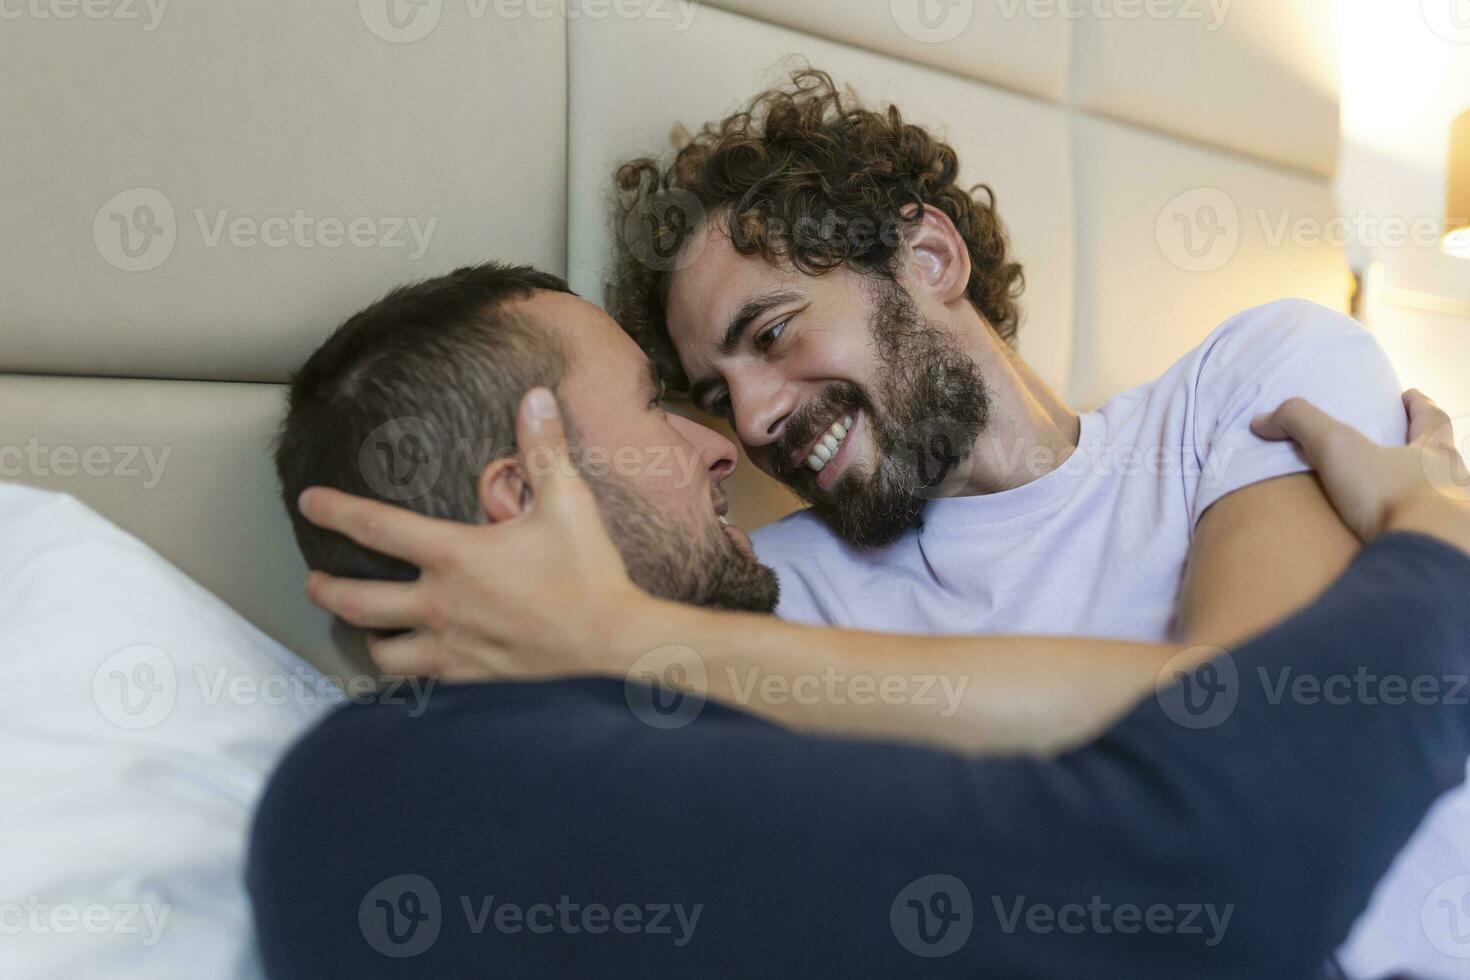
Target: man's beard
[
  {"x": 703, "y": 568},
  {"x": 933, "y": 408}
]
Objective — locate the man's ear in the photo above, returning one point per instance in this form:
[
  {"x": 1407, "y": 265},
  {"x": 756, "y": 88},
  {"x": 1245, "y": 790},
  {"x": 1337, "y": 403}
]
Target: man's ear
[
  {"x": 937, "y": 257},
  {"x": 503, "y": 490}
]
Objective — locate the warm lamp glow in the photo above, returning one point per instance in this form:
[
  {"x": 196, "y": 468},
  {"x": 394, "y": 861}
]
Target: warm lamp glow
[{"x": 1457, "y": 210}]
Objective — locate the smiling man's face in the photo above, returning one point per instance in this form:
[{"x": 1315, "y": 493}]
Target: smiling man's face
[
  {"x": 837, "y": 385},
  {"x": 657, "y": 476}
]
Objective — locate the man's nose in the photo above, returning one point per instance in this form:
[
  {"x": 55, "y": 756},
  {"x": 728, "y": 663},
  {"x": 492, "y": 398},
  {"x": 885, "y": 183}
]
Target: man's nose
[
  {"x": 721, "y": 454},
  {"x": 714, "y": 451},
  {"x": 760, "y": 413}
]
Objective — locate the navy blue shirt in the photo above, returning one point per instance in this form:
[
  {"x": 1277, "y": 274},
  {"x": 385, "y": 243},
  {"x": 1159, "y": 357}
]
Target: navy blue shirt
[{"x": 530, "y": 830}]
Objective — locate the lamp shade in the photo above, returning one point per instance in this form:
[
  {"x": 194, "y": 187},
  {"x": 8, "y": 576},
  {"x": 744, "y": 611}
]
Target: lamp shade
[{"x": 1457, "y": 210}]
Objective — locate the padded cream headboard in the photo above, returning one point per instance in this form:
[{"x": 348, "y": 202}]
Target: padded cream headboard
[{"x": 198, "y": 193}]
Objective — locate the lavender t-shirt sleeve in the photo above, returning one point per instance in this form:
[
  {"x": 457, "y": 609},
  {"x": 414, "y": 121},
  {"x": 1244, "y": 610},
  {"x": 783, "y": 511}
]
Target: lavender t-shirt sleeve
[{"x": 1258, "y": 359}]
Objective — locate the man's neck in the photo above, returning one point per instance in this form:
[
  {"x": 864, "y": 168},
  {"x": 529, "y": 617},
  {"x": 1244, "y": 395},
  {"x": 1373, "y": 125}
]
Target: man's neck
[{"x": 1031, "y": 431}]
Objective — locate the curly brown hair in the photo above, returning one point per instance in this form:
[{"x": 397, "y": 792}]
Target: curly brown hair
[{"x": 782, "y": 174}]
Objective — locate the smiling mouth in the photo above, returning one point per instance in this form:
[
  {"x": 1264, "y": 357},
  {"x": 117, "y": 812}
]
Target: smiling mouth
[{"x": 825, "y": 446}]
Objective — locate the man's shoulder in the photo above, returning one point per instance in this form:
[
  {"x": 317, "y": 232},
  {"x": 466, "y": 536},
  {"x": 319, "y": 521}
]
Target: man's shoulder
[
  {"x": 1290, "y": 336},
  {"x": 1269, "y": 331}
]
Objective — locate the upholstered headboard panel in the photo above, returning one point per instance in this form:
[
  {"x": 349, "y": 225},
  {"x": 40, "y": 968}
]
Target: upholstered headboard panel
[{"x": 197, "y": 198}]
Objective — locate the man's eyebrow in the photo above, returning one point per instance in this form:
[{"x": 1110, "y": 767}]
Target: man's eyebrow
[{"x": 748, "y": 314}]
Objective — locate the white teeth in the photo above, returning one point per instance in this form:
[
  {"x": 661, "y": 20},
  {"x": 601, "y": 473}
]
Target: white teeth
[
  {"x": 722, "y": 519},
  {"x": 828, "y": 445}
]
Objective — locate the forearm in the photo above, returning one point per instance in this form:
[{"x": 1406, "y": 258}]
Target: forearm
[{"x": 969, "y": 693}]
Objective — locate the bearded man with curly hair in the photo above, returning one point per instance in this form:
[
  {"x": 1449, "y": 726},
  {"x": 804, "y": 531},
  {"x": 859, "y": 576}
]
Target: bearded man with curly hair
[{"x": 814, "y": 270}]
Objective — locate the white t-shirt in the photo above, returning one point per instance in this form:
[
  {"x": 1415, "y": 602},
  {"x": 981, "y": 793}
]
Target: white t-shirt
[{"x": 1098, "y": 546}]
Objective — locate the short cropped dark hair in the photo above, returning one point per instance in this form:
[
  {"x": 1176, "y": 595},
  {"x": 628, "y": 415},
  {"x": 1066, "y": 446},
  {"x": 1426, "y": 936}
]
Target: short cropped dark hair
[
  {"x": 798, "y": 158},
  {"x": 410, "y": 399}
]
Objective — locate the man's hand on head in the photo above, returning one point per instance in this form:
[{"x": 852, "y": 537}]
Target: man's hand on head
[{"x": 533, "y": 597}]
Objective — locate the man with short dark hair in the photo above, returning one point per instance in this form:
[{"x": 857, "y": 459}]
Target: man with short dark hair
[{"x": 413, "y": 401}]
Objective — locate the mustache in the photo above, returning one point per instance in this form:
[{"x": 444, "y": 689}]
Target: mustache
[{"x": 804, "y": 424}]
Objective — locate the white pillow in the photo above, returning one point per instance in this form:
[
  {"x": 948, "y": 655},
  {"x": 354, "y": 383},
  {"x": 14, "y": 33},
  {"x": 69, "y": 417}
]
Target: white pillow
[{"x": 139, "y": 719}]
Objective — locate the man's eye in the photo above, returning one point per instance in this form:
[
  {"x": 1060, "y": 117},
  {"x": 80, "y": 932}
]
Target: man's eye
[
  {"x": 720, "y": 405},
  {"x": 769, "y": 337}
]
